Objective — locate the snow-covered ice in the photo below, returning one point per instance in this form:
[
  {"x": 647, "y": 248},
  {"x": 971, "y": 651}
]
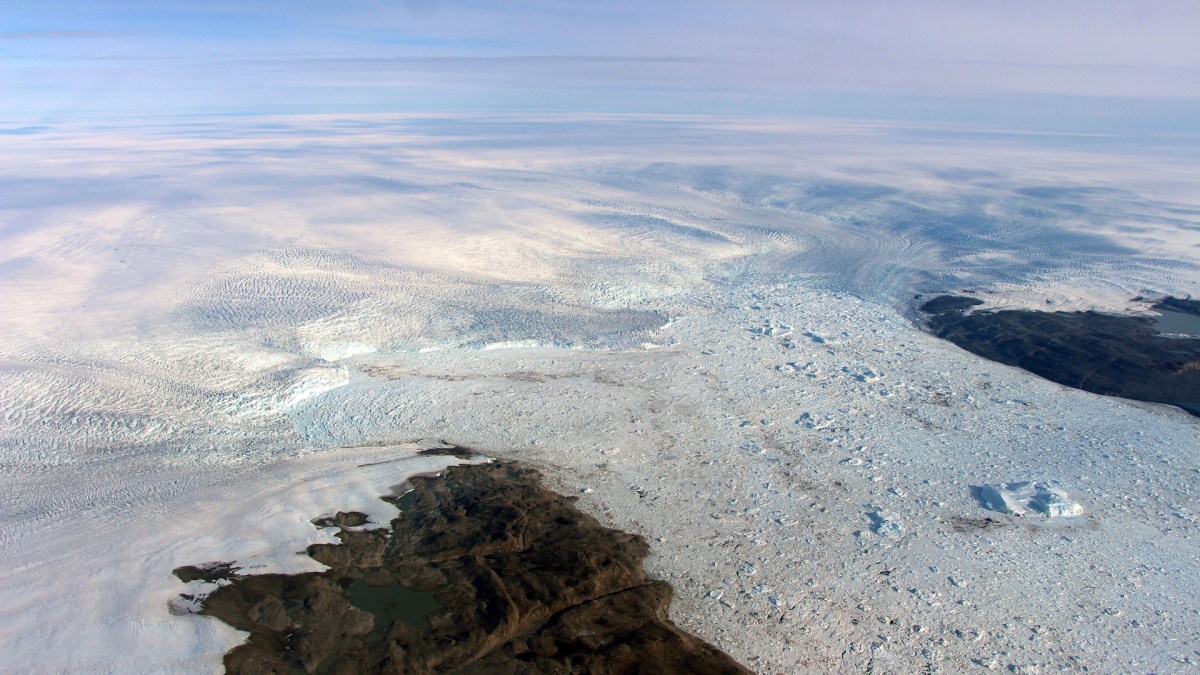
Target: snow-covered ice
[{"x": 701, "y": 328}]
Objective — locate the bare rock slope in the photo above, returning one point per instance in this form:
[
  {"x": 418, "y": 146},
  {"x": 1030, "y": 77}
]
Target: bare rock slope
[
  {"x": 483, "y": 571},
  {"x": 1101, "y": 353}
]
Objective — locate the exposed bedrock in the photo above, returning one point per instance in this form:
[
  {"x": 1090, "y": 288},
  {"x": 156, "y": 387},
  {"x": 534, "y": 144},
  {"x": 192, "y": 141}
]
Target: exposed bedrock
[
  {"x": 483, "y": 571},
  {"x": 1102, "y": 353}
]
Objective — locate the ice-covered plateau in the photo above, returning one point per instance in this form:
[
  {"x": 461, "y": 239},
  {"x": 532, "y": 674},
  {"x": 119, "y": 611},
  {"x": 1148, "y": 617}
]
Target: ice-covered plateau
[{"x": 202, "y": 356}]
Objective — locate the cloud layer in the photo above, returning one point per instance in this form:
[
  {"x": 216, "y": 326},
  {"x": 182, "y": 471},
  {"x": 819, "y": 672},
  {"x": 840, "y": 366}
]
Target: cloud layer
[{"x": 145, "y": 58}]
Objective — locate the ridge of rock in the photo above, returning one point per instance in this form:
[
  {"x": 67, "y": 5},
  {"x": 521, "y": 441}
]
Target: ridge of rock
[{"x": 483, "y": 571}]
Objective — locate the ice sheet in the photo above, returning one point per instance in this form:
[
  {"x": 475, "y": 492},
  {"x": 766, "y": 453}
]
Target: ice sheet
[{"x": 93, "y": 592}]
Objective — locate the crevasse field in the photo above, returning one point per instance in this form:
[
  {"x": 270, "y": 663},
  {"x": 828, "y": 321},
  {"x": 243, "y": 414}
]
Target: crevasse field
[{"x": 218, "y": 330}]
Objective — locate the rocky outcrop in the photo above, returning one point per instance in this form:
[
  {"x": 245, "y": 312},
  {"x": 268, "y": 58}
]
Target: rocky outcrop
[
  {"x": 1101, "y": 353},
  {"x": 484, "y": 571}
]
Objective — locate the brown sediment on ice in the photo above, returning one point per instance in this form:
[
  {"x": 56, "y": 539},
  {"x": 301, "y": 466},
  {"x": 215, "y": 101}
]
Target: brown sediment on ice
[
  {"x": 1106, "y": 354},
  {"x": 483, "y": 571}
]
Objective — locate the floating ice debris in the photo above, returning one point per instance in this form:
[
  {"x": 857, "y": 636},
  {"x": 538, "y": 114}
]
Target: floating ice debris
[
  {"x": 1020, "y": 498},
  {"x": 811, "y": 369},
  {"x": 772, "y": 329},
  {"x": 817, "y": 422},
  {"x": 752, "y": 448},
  {"x": 862, "y": 373},
  {"x": 884, "y": 523}
]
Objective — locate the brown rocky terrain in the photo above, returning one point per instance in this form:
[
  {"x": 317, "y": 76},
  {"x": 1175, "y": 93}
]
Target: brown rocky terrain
[
  {"x": 483, "y": 571},
  {"x": 1102, "y": 353}
]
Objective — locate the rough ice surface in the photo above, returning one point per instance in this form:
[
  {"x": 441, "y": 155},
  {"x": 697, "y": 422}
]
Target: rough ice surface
[
  {"x": 1021, "y": 498},
  {"x": 885, "y": 523},
  {"x": 701, "y": 328}
]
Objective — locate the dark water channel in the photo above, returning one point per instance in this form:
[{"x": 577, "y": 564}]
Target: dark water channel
[{"x": 1177, "y": 323}]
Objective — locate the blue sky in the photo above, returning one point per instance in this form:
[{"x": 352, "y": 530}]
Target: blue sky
[{"x": 99, "y": 58}]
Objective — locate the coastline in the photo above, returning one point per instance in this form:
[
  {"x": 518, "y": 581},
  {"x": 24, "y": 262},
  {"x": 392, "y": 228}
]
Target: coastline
[
  {"x": 1126, "y": 356},
  {"x": 481, "y": 571}
]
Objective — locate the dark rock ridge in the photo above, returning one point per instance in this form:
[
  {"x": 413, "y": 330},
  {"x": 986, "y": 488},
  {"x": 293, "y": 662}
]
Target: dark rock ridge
[
  {"x": 1187, "y": 306},
  {"x": 1101, "y": 353},
  {"x": 484, "y": 571}
]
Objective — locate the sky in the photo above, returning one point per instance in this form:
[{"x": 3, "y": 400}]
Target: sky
[{"x": 101, "y": 58}]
